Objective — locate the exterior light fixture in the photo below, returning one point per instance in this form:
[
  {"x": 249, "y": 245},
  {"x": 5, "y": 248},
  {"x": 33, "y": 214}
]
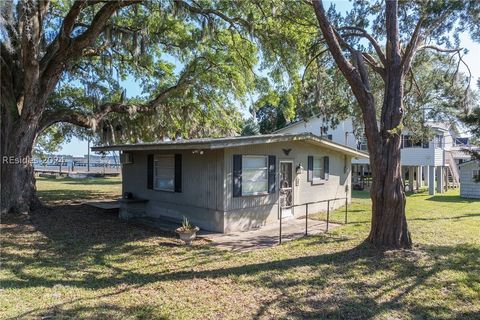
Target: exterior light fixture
[{"x": 299, "y": 168}]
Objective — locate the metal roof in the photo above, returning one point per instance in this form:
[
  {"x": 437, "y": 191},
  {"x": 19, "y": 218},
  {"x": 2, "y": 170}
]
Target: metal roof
[
  {"x": 469, "y": 162},
  {"x": 229, "y": 142}
]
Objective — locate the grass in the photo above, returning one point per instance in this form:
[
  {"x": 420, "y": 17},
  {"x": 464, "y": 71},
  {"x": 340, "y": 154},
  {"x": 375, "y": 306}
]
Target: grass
[
  {"x": 68, "y": 190},
  {"x": 70, "y": 261}
]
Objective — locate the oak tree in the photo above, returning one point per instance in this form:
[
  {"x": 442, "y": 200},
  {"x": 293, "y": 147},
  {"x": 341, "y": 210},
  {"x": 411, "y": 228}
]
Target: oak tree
[
  {"x": 67, "y": 62},
  {"x": 407, "y": 29}
]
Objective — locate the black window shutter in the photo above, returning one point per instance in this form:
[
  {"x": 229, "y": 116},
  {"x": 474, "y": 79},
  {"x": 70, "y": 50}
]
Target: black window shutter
[
  {"x": 150, "y": 171},
  {"x": 271, "y": 174},
  {"x": 178, "y": 173},
  {"x": 310, "y": 168},
  {"x": 326, "y": 166},
  {"x": 237, "y": 175}
]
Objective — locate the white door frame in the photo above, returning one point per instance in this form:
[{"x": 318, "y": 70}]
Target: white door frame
[{"x": 287, "y": 213}]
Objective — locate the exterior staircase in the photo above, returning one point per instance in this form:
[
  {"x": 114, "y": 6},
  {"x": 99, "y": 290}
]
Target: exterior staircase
[{"x": 452, "y": 173}]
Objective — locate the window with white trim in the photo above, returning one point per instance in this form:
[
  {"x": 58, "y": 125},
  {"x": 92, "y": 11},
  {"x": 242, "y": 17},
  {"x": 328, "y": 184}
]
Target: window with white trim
[
  {"x": 318, "y": 169},
  {"x": 254, "y": 175},
  {"x": 438, "y": 141},
  {"x": 476, "y": 175},
  {"x": 164, "y": 172}
]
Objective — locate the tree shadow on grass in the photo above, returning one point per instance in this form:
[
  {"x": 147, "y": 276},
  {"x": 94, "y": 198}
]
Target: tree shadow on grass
[
  {"x": 75, "y": 196},
  {"x": 105, "y": 311},
  {"x": 353, "y": 283},
  {"x": 452, "y": 198},
  {"x": 463, "y": 216}
]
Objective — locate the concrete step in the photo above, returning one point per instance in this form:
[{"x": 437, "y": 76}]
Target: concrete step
[{"x": 165, "y": 224}]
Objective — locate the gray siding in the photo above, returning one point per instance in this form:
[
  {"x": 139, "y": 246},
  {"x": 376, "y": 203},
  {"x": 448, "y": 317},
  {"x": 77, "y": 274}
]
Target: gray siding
[
  {"x": 201, "y": 198},
  {"x": 207, "y": 186},
  {"x": 253, "y": 211},
  {"x": 469, "y": 188}
]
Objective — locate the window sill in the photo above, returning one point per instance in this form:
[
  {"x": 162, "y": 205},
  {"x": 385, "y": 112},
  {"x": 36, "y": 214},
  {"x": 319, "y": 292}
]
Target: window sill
[
  {"x": 164, "y": 190},
  {"x": 255, "y": 194},
  {"x": 318, "y": 181}
]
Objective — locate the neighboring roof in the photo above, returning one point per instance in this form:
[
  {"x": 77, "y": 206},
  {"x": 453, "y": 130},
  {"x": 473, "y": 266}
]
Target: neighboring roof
[
  {"x": 441, "y": 126},
  {"x": 469, "y": 162},
  {"x": 295, "y": 123},
  {"x": 229, "y": 142}
]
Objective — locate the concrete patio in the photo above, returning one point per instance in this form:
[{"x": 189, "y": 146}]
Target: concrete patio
[
  {"x": 266, "y": 236},
  {"x": 242, "y": 241}
]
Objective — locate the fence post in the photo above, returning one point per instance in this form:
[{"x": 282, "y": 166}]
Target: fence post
[
  {"x": 306, "y": 219},
  {"x": 346, "y": 210},
  {"x": 280, "y": 229},
  {"x": 328, "y": 214}
]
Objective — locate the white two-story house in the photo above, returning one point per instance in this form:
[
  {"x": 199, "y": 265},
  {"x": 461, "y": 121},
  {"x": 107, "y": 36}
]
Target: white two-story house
[{"x": 429, "y": 163}]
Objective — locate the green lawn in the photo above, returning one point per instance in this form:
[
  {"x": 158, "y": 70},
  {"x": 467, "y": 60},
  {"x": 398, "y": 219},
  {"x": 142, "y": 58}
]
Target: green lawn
[
  {"x": 69, "y": 261},
  {"x": 67, "y": 190}
]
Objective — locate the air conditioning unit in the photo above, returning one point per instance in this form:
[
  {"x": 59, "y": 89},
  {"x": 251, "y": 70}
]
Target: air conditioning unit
[{"x": 126, "y": 158}]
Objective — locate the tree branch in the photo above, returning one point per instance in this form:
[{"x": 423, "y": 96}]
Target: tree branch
[
  {"x": 91, "y": 120},
  {"x": 380, "y": 69},
  {"x": 208, "y": 11},
  {"x": 348, "y": 70},
  {"x": 310, "y": 62},
  {"x": 98, "y": 23},
  {"x": 70, "y": 49},
  {"x": 353, "y": 77},
  {"x": 66, "y": 29},
  {"x": 373, "y": 64},
  {"x": 412, "y": 46},
  {"x": 70, "y": 115},
  {"x": 365, "y": 34},
  {"x": 439, "y": 49}
]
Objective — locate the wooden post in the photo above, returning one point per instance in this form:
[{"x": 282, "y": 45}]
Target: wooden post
[
  {"x": 306, "y": 219},
  {"x": 328, "y": 214}
]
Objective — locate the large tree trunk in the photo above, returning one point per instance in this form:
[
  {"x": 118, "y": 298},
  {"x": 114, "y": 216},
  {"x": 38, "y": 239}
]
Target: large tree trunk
[
  {"x": 17, "y": 174},
  {"x": 29, "y": 74},
  {"x": 389, "y": 223}
]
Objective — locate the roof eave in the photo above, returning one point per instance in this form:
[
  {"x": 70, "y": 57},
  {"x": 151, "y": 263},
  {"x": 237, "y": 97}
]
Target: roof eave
[{"x": 230, "y": 143}]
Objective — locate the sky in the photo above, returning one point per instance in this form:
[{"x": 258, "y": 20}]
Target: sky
[{"x": 78, "y": 147}]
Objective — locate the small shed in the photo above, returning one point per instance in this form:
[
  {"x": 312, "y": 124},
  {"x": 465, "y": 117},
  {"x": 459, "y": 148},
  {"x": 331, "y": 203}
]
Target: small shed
[{"x": 470, "y": 179}]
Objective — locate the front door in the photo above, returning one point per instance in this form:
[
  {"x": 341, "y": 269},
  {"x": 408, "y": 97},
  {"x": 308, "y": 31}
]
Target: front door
[{"x": 286, "y": 188}]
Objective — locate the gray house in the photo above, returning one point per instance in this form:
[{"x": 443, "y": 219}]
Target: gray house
[
  {"x": 236, "y": 183},
  {"x": 470, "y": 179}
]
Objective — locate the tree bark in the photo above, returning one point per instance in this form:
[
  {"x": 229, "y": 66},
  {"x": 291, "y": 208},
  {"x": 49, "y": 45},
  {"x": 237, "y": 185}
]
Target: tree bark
[
  {"x": 27, "y": 81},
  {"x": 389, "y": 224},
  {"x": 17, "y": 179}
]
